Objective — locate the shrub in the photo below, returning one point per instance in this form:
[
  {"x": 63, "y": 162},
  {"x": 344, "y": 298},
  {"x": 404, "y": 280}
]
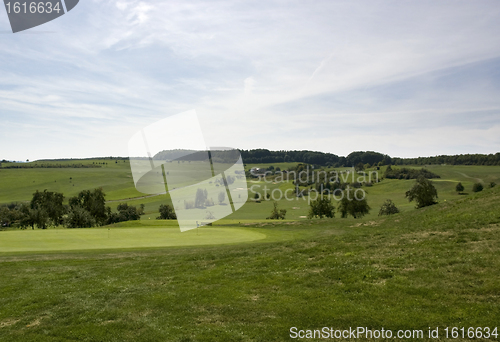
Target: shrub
[
  {"x": 459, "y": 188},
  {"x": 477, "y": 187},
  {"x": 166, "y": 213},
  {"x": 230, "y": 180},
  {"x": 201, "y": 197},
  {"x": 388, "y": 208},
  {"x": 189, "y": 205},
  {"x": 492, "y": 184},
  {"x": 222, "y": 196},
  {"x": 405, "y": 173},
  {"x": 277, "y": 214},
  {"x": 209, "y": 216}
]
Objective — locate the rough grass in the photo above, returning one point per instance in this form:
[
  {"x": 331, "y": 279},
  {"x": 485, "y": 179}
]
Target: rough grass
[{"x": 432, "y": 267}]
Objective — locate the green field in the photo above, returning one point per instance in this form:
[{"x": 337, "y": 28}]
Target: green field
[
  {"x": 250, "y": 279},
  {"x": 116, "y": 180},
  {"x": 104, "y": 238}
]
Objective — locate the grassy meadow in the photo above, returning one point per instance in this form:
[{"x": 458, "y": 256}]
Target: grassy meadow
[
  {"x": 115, "y": 178},
  {"x": 250, "y": 279}
]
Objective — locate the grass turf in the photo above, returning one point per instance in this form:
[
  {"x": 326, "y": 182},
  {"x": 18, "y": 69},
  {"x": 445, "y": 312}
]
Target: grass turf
[
  {"x": 432, "y": 267},
  {"x": 107, "y": 238}
]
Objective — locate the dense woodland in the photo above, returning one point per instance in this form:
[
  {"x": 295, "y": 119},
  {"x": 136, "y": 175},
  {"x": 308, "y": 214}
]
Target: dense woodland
[
  {"x": 259, "y": 156},
  {"x": 365, "y": 157}
]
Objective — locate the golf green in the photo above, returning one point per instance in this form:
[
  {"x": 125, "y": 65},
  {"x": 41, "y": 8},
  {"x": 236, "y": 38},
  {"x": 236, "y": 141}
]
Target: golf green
[{"x": 102, "y": 238}]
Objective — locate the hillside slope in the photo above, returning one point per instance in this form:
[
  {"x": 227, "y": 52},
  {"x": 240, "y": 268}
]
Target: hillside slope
[{"x": 432, "y": 267}]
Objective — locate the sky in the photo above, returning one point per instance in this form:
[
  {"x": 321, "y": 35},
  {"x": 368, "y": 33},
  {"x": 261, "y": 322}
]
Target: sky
[{"x": 405, "y": 78}]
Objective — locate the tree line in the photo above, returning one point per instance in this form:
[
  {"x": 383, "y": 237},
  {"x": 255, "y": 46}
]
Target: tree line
[
  {"x": 47, "y": 166},
  {"x": 259, "y": 156},
  {"x": 461, "y": 159},
  {"x": 405, "y": 173},
  {"x": 85, "y": 210}
]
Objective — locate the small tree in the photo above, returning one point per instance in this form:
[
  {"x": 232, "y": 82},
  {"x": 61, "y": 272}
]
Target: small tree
[
  {"x": 477, "y": 187},
  {"x": 423, "y": 192},
  {"x": 222, "y": 196},
  {"x": 359, "y": 167},
  {"x": 459, "y": 188},
  {"x": 388, "y": 208},
  {"x": 166, "y": 213},
  {"x": 201, "y": 197},
  {"x": 141, "y": 209},
  {"x": 277, "y": 214},
  {"x": 350, "y": 205},
  {"x": 321, "y": 207}
]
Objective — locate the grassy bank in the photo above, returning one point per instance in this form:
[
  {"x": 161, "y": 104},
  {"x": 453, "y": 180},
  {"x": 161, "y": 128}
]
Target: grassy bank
[{"x": 433, "y": 267}]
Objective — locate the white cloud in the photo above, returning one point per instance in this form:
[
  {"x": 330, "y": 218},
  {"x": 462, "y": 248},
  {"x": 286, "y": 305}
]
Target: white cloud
[{"x": 321, "y": 71}]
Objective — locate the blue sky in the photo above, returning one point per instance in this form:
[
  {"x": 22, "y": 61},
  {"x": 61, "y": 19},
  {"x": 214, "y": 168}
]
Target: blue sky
[{"x": 406, "y": 78}]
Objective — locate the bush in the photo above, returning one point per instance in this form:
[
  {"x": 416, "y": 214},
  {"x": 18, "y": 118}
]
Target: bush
[
  {"x": 423, "y": 192},
  {"x": 189, "y": 205},
  {"x": 277, "y": 214},
  {"x": 492, "y": 184},
  {"x": 222, "y": 196},
  {"x": 321, "y": 207},
  {"x": 125, "y": 213},
  {"x": 405, "y": 173},
  {"x": 201, "y": 197},
  {"x": 477, "y": 187},
  {"x": 459, "y": 188},
  {"x": 166, "y": 213},
  {"x": 388, "y": 208},
  {"x": 141, "y": 209}
]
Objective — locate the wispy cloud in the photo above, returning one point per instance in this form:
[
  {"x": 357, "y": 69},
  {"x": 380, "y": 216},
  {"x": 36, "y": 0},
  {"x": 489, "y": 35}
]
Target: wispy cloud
[{"x": 331, "y": 76}]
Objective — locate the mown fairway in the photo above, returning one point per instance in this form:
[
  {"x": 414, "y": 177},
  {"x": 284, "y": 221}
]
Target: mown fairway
[
  {"x": 106, "y": 238},
  {"x": 432, "y": 267}
]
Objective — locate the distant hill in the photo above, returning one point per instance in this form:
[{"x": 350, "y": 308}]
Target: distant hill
[
  {"x": 172, "y": 154},
  {"x": 259, "y": 156}
]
